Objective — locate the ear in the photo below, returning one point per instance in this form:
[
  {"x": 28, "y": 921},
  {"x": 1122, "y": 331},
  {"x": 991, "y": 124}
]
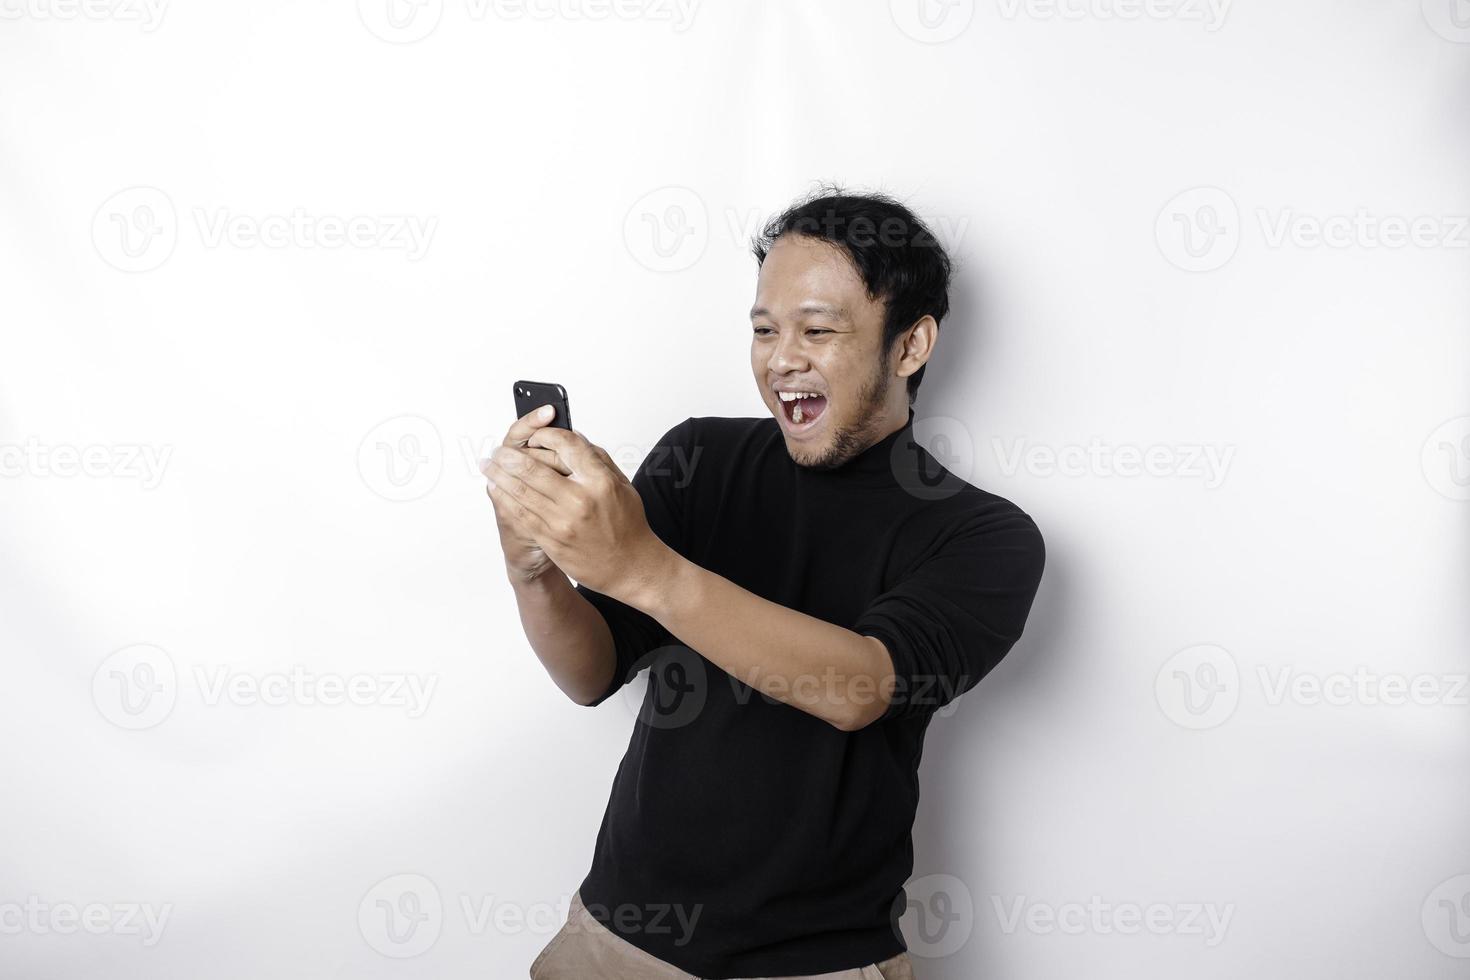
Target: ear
[{"x": 916, "y": 346}]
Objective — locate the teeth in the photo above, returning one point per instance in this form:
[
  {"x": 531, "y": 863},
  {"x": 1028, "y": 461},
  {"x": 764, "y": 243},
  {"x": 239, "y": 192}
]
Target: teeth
[{"x": 791, "y": 396}]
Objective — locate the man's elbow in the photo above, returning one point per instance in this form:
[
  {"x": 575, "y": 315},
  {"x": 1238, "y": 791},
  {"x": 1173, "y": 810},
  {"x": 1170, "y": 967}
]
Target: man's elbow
[
  {"x": 856, "y": 717},
  {"x": 867, "y": 695}
]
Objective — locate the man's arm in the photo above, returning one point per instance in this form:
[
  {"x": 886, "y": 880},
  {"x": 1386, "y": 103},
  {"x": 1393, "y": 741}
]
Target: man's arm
[
  {"x": 568, "y": 634},
  {"x": 570, "y": 637},
  {"x": 844, "y": 678},
  {"x": 590, "y": 522}
]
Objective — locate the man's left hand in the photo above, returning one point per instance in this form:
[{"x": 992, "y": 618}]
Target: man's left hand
[{"x": 590, "y": 522}]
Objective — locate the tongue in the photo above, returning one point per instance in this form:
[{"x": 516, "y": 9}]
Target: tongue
[{"x": 807, "y": 409}]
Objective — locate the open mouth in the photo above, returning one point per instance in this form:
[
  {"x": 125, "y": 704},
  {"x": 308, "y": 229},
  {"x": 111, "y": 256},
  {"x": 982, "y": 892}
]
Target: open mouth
[{"x": 801, "y": 409}]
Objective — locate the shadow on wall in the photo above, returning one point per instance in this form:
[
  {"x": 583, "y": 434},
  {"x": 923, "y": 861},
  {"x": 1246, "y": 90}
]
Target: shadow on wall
[{"x": 962, "y": 783}]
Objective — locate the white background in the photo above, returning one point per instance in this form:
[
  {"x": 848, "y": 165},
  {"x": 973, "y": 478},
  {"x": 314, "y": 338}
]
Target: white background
[{"x": 1116, "y": 190}]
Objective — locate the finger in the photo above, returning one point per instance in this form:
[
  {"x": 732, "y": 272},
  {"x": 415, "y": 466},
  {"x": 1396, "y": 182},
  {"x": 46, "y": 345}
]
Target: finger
[
  {"x": 572, "y": 448},
  {"x": 518, "y": 489},
  {"x": 545, "y": 456},
  {"x": 607, "y": 460},
  {"x": 546, "y": 480},
  {"x": 522, "y": 428},
  {"x": 516, "y": 512}
]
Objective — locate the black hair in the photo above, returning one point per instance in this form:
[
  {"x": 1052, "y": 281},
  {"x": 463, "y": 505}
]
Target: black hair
[{"x": 900, "y": 261}]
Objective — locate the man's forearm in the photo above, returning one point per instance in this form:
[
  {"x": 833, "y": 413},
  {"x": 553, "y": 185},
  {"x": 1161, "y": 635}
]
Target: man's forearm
[
  {"x": 569, "y": 635},
  {"x": 842, "y": 677}
]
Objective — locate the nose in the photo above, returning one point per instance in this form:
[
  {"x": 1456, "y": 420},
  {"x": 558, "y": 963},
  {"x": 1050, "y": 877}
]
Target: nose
[{"x": 788, "y": 356}]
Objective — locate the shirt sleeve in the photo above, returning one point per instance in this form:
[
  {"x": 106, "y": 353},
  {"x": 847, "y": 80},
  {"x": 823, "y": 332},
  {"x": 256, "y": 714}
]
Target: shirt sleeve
[
  {"x": 661, "y": 480},
  {"x": 958, "y": 612}
]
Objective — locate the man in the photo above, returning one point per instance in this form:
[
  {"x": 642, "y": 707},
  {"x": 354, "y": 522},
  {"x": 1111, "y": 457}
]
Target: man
[{"x": 809, "y": 586}]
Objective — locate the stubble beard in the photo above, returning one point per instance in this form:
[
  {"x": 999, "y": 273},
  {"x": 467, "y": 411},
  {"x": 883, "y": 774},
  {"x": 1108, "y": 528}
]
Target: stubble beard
[{"x": 853, "y": 438}]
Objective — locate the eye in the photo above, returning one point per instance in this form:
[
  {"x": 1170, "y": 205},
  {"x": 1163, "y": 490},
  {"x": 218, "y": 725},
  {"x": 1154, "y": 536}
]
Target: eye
[
  {"x": 817, "y": 330},
  {"x": 762, "y": 331}
]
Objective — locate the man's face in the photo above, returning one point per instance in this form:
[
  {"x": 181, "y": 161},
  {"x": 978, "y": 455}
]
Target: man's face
[{"x": 816, "y": 333}]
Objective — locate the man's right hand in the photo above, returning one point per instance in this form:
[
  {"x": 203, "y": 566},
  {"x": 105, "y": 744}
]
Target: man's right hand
[{"x": 524, "y": 559}]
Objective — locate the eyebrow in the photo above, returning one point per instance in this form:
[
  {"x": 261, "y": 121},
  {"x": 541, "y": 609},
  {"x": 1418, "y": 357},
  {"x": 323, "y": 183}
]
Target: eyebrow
[{"x": 826, "y": 309}]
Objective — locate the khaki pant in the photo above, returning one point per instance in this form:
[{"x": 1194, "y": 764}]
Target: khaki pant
[{"x": 584, "y": 949}]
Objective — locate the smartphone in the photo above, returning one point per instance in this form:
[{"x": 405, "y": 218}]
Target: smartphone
[{"x": 531, "y": 395}]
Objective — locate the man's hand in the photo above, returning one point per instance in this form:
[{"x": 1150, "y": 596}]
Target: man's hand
[
  {"x": 524, "y": 558},
  {"x": 580, "y": 510}
]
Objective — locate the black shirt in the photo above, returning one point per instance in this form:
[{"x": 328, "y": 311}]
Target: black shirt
[{"x": 745, "y": 837}]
